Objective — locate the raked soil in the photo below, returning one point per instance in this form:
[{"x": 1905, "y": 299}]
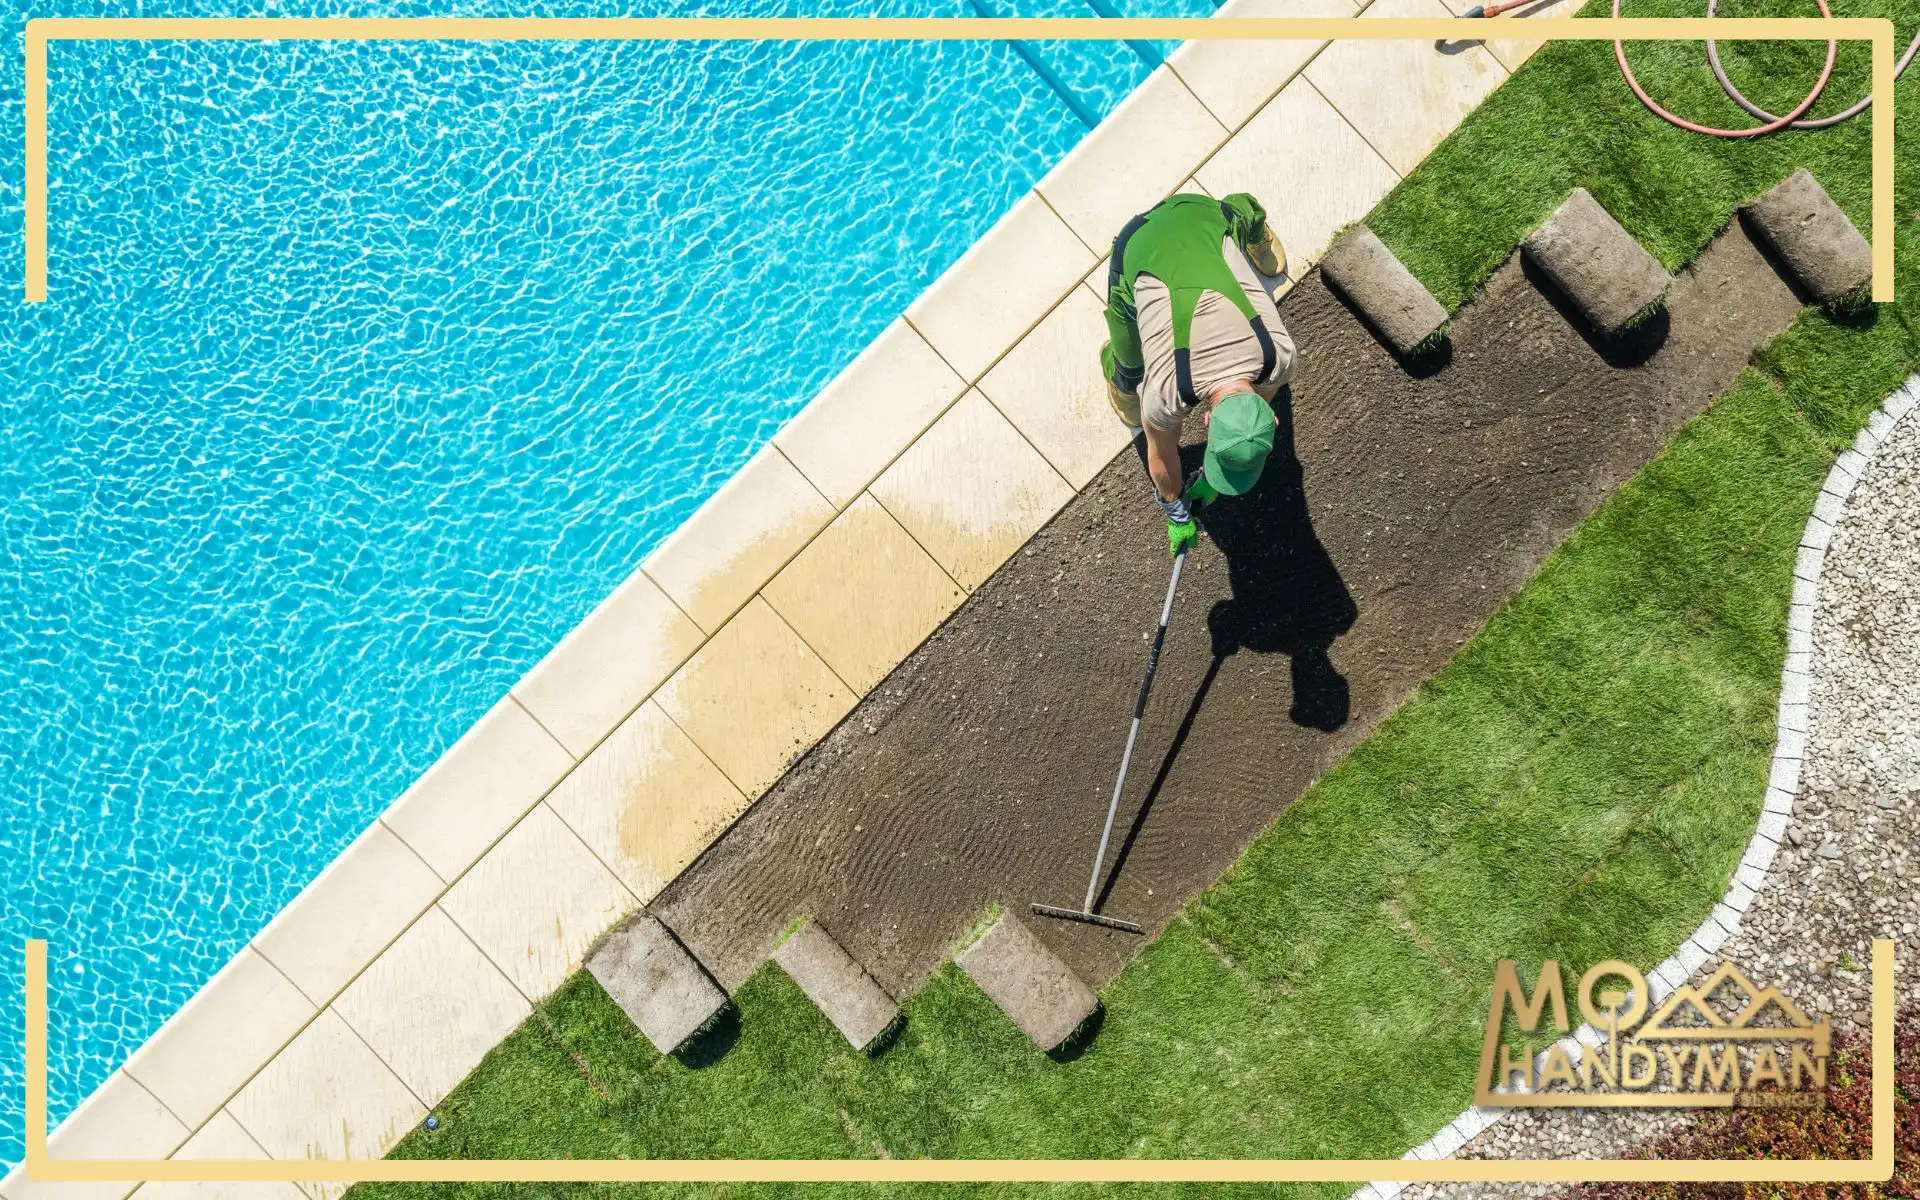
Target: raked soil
[{"x": 1399, "y": 511}]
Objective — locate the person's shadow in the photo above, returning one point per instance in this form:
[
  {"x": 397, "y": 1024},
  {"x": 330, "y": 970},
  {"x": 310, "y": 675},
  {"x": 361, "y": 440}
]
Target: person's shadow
[{"x": 1287, "y": 598}]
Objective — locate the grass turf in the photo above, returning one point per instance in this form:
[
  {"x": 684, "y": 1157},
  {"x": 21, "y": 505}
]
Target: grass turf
[
  {"x": 1578, "y": 784},
  {"x": 1568, "y": 120}
]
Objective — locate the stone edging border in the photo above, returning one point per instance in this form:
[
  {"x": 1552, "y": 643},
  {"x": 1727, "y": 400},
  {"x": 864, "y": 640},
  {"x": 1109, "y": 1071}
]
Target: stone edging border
[{"x": 1783, "y": 780}]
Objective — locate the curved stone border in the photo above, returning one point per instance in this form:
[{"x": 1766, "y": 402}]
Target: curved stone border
[{"x": 1783, "y": 780}]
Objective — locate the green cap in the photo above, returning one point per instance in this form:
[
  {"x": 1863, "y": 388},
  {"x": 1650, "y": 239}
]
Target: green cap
[{"x": 1239, "y": 438}]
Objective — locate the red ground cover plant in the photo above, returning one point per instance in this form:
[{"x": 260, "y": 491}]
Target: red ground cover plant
[{"x": 1842, "y": 1129}]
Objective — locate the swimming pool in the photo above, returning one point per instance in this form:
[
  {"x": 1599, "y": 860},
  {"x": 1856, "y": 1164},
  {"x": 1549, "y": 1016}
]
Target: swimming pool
[{"x": 367, "y": 371}]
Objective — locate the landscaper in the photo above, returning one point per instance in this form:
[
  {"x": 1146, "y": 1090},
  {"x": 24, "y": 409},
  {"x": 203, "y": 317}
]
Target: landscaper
[{"x": 1191, "y": 325}]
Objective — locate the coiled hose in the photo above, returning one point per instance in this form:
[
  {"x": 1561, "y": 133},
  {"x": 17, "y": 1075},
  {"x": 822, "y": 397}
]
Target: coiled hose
[{"x": 1770, "y": 121}]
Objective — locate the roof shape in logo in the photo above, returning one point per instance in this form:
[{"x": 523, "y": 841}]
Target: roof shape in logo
[{"x": 1688, "y": 1001}]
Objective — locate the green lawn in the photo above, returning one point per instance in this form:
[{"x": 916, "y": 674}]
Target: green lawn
[
  {"x": 1569, "y": 121},
  {"x": 1578, "y": 784}
]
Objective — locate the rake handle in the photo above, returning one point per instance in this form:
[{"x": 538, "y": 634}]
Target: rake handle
[{"x": 1133, "y": 732}]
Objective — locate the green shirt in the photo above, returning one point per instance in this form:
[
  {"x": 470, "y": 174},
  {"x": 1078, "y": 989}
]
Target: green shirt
[{"x": 1179, "y": 243}]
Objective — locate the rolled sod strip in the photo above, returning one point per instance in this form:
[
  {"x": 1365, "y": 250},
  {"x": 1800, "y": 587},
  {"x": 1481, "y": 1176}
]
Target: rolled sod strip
[
  {"x": 1610, "y": 278},
  {"x": 1398, "y": 308},
  {"x": 662, "y": 988},
  {"x": 1028, "y": 982},
  {"x": 1814, "y": 239},
  {"x": 838, "y": 986}
]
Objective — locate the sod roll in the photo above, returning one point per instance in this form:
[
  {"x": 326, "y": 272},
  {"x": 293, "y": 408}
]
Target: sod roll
[
  {"x": 1029, "y": 983},
  {"x": 1607, "y": 275},
  {"x": 1395, "y": 305},
  {"x": 661, "y": 987},
  {"x": 1815, "y": 241},
  {"x": 838, "y": 986}
]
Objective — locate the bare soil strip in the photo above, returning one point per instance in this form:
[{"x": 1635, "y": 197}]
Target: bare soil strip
[{"x": 1403, "y": 511}]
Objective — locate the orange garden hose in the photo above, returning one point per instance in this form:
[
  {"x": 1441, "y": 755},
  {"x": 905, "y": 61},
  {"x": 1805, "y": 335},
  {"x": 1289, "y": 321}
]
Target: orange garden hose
[
  {"x": 1770, "y": 121},
  {"x": 1819, "y": 85}
]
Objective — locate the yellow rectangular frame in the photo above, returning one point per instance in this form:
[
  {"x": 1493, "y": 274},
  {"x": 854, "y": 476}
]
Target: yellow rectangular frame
[
  {"x": 42, "y": 30},
  {"x": 40, "y": 1166}
]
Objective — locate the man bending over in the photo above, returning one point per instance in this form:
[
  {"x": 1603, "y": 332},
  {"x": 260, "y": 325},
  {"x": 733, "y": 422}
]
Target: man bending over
[{"x": 1191, "y": 325}]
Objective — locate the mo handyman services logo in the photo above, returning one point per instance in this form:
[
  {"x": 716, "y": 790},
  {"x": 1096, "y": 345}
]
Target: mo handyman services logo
[{"x": 1723, "y": 1043}]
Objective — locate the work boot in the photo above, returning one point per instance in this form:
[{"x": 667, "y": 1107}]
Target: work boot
[{"x": 1268, "y": 256}]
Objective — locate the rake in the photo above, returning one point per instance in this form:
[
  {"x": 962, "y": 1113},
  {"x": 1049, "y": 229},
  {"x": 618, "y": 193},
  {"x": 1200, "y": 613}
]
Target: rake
[{"x": 1085, "y": 912}]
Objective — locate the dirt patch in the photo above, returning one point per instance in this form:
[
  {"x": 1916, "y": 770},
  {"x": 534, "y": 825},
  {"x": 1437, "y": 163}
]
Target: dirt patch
[{"x": 1396, "y": 515}]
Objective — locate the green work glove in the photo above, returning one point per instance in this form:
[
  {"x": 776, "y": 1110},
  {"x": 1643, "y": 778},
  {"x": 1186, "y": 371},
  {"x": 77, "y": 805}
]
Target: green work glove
[
  {"x": 1201, "y": 492},
  {"x": 1181, "y": 530},
  {"x": 1180, "y": 537}
]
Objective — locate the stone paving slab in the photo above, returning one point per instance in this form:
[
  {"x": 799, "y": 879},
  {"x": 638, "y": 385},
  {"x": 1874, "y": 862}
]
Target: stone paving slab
[
  {"x": 1608, "y": 275},
  {"x": 220, "y": 1138},
  {"x": 754, "y": 696},
  {"x": 1136, "y": 156},
  {"x": 1233, "y": 78},
  {"x": 342, "y": 920},
  {"x": 863, "y": 594},
  {"x": 497, "y": 771},
  {"x": 240, "y": 1019},
  {"x": 1044, "y": 388},
  {"x": 432, "y": 1006},
  {"x": 838, "y": 986},
  {"x": 872, "y": 410},
  {"x": 1432, "y": 87},
  {"x": 1513, "y": 52},
  {"x": 608, "y": 664},
  {"x": 1028, "y": 982},
  {"x": 120, "y": 1119},
  {"x": 326, "y": 1096},
  {"x": 972, "y": 490},
  {"x": 1300, "y": 147},
  {"x": 536, "y": 902},
  {"x": 1814, "y": 238},
  {"x": 661, "y": 988},
  {"x": 1001, "y": 287},
  {"x": 646, "y": 801},
  {"x": 718, "y": 559}
]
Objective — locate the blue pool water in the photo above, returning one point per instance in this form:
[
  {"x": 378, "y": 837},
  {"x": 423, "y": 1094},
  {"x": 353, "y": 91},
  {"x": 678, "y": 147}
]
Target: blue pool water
[{"x": 367, "y": 371}]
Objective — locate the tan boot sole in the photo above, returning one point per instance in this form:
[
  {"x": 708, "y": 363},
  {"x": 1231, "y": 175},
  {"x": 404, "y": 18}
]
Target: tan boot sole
[{"x": 1269, "y": 257}]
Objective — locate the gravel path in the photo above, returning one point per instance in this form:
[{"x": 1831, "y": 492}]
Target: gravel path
[{"x": 1846, "y": 872}]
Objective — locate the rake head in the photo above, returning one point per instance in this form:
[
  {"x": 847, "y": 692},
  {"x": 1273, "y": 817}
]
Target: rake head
[{"x": 1087, "y": 918}]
